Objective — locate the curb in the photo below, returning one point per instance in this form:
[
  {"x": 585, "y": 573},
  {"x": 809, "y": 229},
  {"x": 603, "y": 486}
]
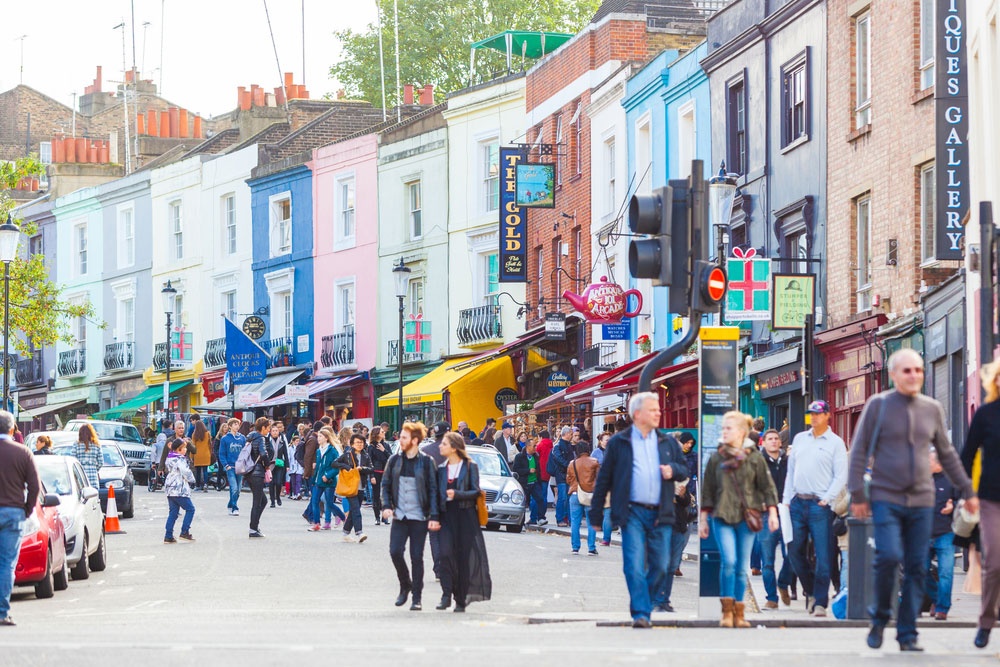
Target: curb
[{"x": 778, "y": 623}]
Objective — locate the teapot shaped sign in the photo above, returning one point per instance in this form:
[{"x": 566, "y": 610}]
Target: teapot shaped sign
[{"x": 604, "y": 303}]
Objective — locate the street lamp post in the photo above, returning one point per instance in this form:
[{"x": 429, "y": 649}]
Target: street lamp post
[
  {"x": 169, "y": 294},
  {"x": 721, "y": 195},
  {"x": 401, "y": 274},
  {"x": 9, "y": 236}
]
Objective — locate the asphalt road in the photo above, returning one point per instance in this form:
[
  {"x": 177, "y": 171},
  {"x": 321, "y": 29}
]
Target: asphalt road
[{"x": 310, "y": 598}]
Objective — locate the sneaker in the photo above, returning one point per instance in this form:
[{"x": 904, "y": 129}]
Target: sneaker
[
  {"x": 810, "y": 604},
  {"x": 337, "y": 521},
  {"x": 562, "y": 524},
  {"x": 7, "y": 620},
  {"x": 256, "y": 533},
  {"x": 313, "y": 528},
  {"x": 348, "y": 537},
  {"x": 786, "y": 599},
  {"x": 940, "y": 616},
  {"x": 770, "y": 604},
  {"x": 664, "y": 607},
  {"x": 605, "y": 543},
  {"x": 234, "y": 512},
  {"x": 678, "y": 573},
  {"x": 169, "y": 540},
  {"x": 542, "y": 522},
  {"x": 326, "y": 526},
  {"x": 272, "y": 505},
  {"x": 361, "y": 537},
  {"x": 819, "y": 611},
  {"x": 187, "y": 536},
  {"x": 642, "y": 623},
  {"x": 576, "y": 552},
  {"x": 592, "y": 552}
]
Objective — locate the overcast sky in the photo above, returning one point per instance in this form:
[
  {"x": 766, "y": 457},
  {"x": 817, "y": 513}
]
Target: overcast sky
[{"x": 209, "y": 46}]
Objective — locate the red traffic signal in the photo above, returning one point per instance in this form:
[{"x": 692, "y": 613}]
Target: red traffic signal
[
  {"x": 716, "y": 286},
  {"x": 708, "y": 286}
]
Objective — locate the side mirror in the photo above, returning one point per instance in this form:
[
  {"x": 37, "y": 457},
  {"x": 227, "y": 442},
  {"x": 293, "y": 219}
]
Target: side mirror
[
  {"x": 516, "y": 476},
  {"x": 50, "y": 500},
  {"x": 90, "y": 492}
]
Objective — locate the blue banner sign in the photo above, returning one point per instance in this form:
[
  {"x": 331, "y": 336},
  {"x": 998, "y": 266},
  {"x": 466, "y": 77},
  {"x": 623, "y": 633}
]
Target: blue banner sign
[
  {"x": 246, "y": 361},
  {"x": 615, "y": 331}
]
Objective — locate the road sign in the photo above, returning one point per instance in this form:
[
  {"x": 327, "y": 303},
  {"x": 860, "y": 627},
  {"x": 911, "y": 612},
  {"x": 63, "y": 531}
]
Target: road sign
[
  {"x": 716, "y": 284},
  {"x": 227, "y": 383}
]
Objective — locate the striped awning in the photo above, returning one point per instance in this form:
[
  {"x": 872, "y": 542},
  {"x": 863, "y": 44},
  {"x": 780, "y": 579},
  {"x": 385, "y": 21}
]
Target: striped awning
[{"x": 315, "y": 388}]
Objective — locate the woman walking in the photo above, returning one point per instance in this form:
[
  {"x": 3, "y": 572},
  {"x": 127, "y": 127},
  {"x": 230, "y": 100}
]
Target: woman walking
[
  {"x": 325, "y": 482},
  {"x": 178, "y": 488},
  {"x": 736, "y": 488},
  {"x": 202, "y": 441},
  {"x": 379, "y": 453},
  {"x": 465, "y": 569},
  {"x": 294, "y": 469},
  {"x": 277, "y": 443},
  {"x": 263, "y": 457},
  {"x": 355, "y": 458},
  {"x": 984, "y": 439},
  {"x": 87, "y": 450}
]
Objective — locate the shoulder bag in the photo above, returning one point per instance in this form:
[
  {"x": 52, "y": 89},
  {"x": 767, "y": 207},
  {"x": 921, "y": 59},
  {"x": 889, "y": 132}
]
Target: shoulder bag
[
  {"x": 582, "y": 497},
  {"x": 870, "y": 454},
  {"x": 752, "y": 516},
  {"x": 481, "y": 511},
  {"x": 349, "y": 480}
]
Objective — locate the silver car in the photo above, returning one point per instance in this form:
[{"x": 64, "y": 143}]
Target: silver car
[
  {"x": 138, "y": 454},
  {"x": 504, "y": 495}
]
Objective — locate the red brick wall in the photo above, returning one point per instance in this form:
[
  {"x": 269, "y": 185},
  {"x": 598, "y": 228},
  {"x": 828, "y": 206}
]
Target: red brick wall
[{"x": 882, "y": 160}]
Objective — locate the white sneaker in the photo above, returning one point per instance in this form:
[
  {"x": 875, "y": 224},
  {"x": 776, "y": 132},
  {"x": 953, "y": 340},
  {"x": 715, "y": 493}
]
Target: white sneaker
[
  {"x": 349, "y": 537},
  {"x": 360, "y": 537},
  {"x": 542, "y": 522},
  {"x": 234, "y": 512},
  {"x": 819, "y": 611}
]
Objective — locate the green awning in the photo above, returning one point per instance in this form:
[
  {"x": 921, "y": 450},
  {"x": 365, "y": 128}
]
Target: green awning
[
  {"x": 150, "y": 395},
  {"x": 524, "y": 43}
]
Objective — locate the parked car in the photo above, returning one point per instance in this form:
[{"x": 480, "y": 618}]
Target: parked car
[
  {"x": 57, "y": 438},
  {"x": 504, "y": 496},
  {"x": 137, "y": 453},
  {"x": 114, "y": 472},
  {"x": 80, "y": 512},
  {"x": 42, "y": 560}
]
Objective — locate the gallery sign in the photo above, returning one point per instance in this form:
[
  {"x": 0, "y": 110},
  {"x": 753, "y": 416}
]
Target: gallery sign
[
  {"x": 513, "y": 221},
  {"x": 951, "y": 108}
]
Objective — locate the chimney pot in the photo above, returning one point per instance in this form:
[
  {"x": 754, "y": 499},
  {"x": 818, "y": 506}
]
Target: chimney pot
[
  {"x": 279, "y": 96},
  {"x": 408, "y": 93},
  {"x": 427, "y": 95},
  {"x": 164, "y": 124},
  {"x": 182, "y": 123},
  {"x": 197, "y": 127}
]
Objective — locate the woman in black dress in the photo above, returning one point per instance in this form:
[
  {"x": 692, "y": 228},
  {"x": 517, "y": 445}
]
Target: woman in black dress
[{"x": 465, "y": 571}]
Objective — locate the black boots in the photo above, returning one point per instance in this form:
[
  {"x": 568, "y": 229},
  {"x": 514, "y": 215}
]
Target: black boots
[
  {"x": 404, "y": 592},
  {"x": 445, "y": 603}
]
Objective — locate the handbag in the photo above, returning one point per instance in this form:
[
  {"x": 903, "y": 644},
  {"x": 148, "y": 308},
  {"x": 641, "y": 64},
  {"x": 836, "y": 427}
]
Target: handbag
[
  {"x": 481, "y": 511},
  {"x": 752, "y": 516},
  {"x": 964, "y": 522},
  {"x": 348, "y": 481},
  {"x": 582, "y": 497},
  {"x": 268, "y": 476}
]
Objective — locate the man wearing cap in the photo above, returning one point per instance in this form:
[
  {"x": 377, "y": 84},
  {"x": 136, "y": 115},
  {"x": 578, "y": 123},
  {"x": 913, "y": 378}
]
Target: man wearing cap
[
  {"x": 817, "y": 472},
  {"x": 505, "y": 442}
]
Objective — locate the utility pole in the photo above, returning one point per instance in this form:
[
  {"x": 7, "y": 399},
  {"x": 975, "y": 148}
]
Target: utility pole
[{"x": 22, "y": 38}]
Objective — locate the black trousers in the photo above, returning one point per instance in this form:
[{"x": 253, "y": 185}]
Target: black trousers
[
  {"x": 376, "y": 480},
  {"x": 277, "y": 483},
  {"x": 259, "y": 499},
  {"x": 353, "y": 520},
  {"x": 435, "y": 541},
  {"x": 416, "y": 532},
  {"x": 458, "y": 530}
]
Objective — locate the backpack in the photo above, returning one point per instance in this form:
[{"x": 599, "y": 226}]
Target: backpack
[
  {"x": 244, "y": 464},
  {"x": 300, "y": 453}
]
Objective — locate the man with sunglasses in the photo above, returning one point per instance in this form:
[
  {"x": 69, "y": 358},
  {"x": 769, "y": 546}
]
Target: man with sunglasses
[{"x": 894, "y": 436}]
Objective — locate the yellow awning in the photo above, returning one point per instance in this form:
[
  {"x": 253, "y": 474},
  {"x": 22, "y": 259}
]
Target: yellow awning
[{"x": 430, "y": 388}]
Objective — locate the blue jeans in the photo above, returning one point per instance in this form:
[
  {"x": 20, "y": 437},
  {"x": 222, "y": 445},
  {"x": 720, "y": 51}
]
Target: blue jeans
[
  {"x": 810, "y": 519},
  {"x": 178, "y": 503},
  {"x": 329, "y": 500},
  {"x": 678, "y": 540},
  {"x": 606, "y": 525},
  {"x": 735, "y": 544},
  {"x": 901, "y": 537},
  {"x": 536, "y": 492},
  {"x": 645, "y": 558},
  {"x": 577, "y": 514},
  {"x": 11, "y": 520},
  {"x": 768, "y": 543},
  {"x": 235, "y": 481},
  {"x": 943, "y": 547},
  {"x": 562, "y": 502}
]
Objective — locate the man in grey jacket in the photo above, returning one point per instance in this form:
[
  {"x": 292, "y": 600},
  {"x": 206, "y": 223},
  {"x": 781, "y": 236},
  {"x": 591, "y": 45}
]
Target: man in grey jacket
[{"x": 895, "y": 433}]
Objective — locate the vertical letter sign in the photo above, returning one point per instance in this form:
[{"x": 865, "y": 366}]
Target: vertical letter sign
[
  {"x": 951, "y": 108},
  {"x": 513, "y": 221}
]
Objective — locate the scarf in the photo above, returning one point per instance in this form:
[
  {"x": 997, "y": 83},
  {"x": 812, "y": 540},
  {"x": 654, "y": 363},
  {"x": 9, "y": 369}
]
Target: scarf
[{"x": 732, "y": 457}]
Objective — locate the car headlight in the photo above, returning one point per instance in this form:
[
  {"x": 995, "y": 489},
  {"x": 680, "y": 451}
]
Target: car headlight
[
  {"x": 30, "y": 526},
  {"x": 67, "y": 522},
  {"x": 116, "y": 483},
  {"x": 148, "y": 456},
  {"x": 517, "y": 498},
  {"x": 505, "y": 497}
]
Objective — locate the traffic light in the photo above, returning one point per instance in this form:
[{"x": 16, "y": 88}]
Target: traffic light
[
  {"x": 708, "y": 287},
  {"x": 651, "y": 215}
]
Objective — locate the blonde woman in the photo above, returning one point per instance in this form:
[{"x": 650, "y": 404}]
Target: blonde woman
[
  {"x": 87, "y": 451},
  {"x": 984, "y": 439},
  {"x": 736, "y": 481}
]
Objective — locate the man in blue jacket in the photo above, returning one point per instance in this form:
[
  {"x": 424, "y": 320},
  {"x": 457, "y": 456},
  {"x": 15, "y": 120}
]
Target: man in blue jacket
[
  {"x": 562, "y": 454},
  {"x": 229, "y": 450},
  {"x": 639, "y": 470}
]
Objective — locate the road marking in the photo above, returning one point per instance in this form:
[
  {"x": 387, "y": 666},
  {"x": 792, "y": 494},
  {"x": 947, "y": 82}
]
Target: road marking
[
  {"x": 531, "y": 651},
  {"x": 136, "y": 559},
  {"x": 132, "y": 573}
]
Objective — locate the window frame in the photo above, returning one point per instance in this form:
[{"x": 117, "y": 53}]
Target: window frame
[
  {"x": 81, "y": 243},
  {"x": 229, "y": 310},
  {"x": 346, "y": 223},
  {"x": 737, "y": 137},
  {"x": 340, "y": 316},
  {"x": 862, "y": 80},
  {"x": 126, "y": 324},
  {"x": 926, "y": 48},
  {"x": 927, "y": 204},
  {"x": 231, "y": 243},
  {"x": 489, "y": 199},
  {"x": 416, "y": 296},
  {"x": 175, "y": 222},
  {"x": 863, "y": 258},
  {"x": 610, "y": 160},
  {"x": 687, "y": 142},
  {"x": 276, "y": 204},
  {"x": 791, "y": 133},
  {"x": 414, "y": 215}
]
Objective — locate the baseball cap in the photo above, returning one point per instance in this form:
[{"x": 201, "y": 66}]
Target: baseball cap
[
  {"x": 507, "y": 425},
  {"x": 817, "y": 407},
  {"x": 440, "y": 428}
]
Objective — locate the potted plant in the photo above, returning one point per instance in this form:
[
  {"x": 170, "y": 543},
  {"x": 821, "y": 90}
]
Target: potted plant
[{"x": 644, "y": 343}]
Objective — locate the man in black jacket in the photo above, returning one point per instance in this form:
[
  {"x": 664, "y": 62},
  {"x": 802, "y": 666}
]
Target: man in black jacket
[
  {"x": 639, "y": 470},
  {"x": 410, "y": 499},
  {"x": 562, "y": 454},
  {"x": 777, "y": 465},
  {"x": 526, "y": 466}
]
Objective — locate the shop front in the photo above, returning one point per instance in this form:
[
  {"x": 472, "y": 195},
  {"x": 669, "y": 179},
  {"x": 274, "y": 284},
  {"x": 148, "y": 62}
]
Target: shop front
[
  {"x": 778, "y": 382},
  {"x": 944, "y": 353},
  {"x": 213, "y": 385},
  {"x": 243, "y": 397},
  {"x": 181, "y": 402},
  {"x": 60, "y": 406}
]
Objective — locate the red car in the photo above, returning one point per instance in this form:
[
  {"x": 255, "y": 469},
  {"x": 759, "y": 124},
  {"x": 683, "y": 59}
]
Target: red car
[{"x": 42, "y": 560}]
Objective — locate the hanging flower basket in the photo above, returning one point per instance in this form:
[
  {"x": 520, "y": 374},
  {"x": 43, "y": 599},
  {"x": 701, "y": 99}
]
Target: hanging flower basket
[{"x": 644, "y": 343}]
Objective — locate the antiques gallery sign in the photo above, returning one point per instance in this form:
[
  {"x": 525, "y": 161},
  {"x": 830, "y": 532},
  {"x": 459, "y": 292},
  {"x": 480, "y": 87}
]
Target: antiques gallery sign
[{"x": 951, "y": 108}]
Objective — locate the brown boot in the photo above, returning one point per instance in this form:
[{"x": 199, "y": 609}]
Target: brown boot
[
  {"x": 727, "y": 613},
  {"x": 738, "y": 620}
]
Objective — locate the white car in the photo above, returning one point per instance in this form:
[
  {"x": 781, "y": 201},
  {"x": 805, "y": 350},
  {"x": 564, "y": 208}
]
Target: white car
[{"x": 79, "y": 511}]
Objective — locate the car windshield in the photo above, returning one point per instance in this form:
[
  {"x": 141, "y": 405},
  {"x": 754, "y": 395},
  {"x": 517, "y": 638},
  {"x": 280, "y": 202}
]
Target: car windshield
[
  {"x": 490, "y": 463},
  {"x": 117, "y": 432},
  {"x": 110, "y": 455},
  {"x": 55, "y": 475}
]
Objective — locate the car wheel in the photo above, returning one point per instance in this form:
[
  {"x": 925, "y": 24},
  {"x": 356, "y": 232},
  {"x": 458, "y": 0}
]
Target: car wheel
[
  {"x": 516, "y": 528},
  {"x": 129, "y": 511},
  {"x": 80, "y": 570},
  {"x": 492, "y": 526},
  {"x": 46, "y": 587},
  {"x": 99, "y": 560},
  {"x": 60, "y": 579}
]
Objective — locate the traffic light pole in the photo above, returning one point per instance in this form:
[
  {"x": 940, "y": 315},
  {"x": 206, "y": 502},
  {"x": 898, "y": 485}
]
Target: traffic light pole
[
  {"x": 987, "y": 267},
  {"x": 664, "y": 357}
]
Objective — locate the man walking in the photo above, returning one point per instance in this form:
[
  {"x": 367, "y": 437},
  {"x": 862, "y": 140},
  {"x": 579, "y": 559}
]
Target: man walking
[
  {"x": 505, "y": 443},
  {"x": 528, "y": 470},
  {"x": 777, "y": 465},
  {"x": 639, "y": 470},
  {"x": 559, "y": 459},
  {"x": 895, "y": 433},
  {"x": 817, "y": 472},
  {"x": 19, "y": 489},
  {"x": 229, "y": 450},
  {"x": 410, "y": 499}
]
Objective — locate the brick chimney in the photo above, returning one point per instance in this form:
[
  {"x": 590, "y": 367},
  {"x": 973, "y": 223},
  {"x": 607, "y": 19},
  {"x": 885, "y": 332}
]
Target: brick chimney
[
  {"x": 427, "y": 95},
  {"x": 408, "y": 94}
]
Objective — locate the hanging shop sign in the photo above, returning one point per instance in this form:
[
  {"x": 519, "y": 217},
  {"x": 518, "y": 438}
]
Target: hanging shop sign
[
  {"x": 513, "y": 221},
  {"x": 794, "y": 299},
  {"x": 604, "y": 302},
  {"x": 254, "y": 327},
  {"x": 555, "y": 326},
  {"x": 505, "y": 396},
  {"x": 557, "y": 381},
  {"x": 749, "y": 290},
  {"x": 246, "y": 361},
  {"x": 536, "y": 185},
  {"x": 618, "y": 331},
  {"x": 951, "y": 109}
]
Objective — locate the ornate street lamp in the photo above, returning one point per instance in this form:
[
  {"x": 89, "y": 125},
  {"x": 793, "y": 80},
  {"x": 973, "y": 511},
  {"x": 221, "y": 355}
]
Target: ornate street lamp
[
  {"x": 169, "y": 294},
  {"x": 721, "y": 195},
  {"x": 10, "y": 234},
  {"x": 401, "y": 275}
]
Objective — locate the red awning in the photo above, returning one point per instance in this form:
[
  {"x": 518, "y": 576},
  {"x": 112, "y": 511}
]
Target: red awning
[
  {"x": 583, "y": 391},
  {"x": 631, "y": 381},
  {"x": 556, "y": 400}
]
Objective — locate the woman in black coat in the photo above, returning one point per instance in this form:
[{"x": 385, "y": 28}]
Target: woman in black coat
[
  {"x": 378, "y": 451},
  {"x": 276, "y": 441},
  {"x": 465, "y": 570},
  {"x": 262, "y": 455},
  {"x": 355, "y": 457}
]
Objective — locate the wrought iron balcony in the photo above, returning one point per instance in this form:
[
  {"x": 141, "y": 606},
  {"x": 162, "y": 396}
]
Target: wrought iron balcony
[
  {"x": 338, "y": 349},
  {"x": 215, "y": 353},
  {"x": 479, "y": 325},
  {"x": 408, "y": 357},
  {"x": 119, "y": 356},
  {"x": 281, "y": 351},
  {"x": 599, "y": 357},
  {"x": 29, "y": 370},
  {"x": 73, "y": 363},
  {"x": 160, "y": 360}
]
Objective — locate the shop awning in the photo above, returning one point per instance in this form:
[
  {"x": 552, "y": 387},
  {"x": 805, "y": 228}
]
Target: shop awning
[
  {"x": 503, "y": 350},
  {"x": 524, "y": 43},
  {"x": 134, "y": 404},
  {"x": 28, "y": 415},
  {"x": 552, "y": 402},
  {"x": 631, "y": 381},
  {"x": 431, "y": 387},
  {"x": 583, "y": 391},
  {"x": 314, "y": 389},
  {"x": 268, "y": 388}
]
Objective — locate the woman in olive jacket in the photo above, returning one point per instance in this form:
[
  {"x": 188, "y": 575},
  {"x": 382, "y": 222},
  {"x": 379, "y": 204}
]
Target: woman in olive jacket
[
  {"x": 736, "y": 479},
  {"x": 465, "y": 568}
]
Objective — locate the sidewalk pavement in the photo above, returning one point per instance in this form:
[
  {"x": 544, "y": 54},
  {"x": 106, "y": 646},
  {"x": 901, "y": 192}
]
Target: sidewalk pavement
[{"x": 964, "y": 612}]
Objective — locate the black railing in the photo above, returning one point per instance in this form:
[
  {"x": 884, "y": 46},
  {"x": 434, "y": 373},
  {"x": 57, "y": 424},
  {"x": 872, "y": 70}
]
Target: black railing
[
  {"x": 281, "y": 351},
  {"x": 215, "y": 353},
  {"x": 599, "y": 357},
  {"x": 479, "y": 325},
  {"x": 119, "y": 356},
  {"x": 338, "y": 349},
  {"x": 73, "y": 363},
  {"x": 393, "y": 357},
  {"x": 29, "y": 370}
]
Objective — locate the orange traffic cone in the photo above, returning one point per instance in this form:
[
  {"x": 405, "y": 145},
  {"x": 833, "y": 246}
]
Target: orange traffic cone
[{"x": 111, "y": 525}]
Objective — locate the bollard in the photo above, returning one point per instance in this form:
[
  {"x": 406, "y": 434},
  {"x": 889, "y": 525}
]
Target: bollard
[{"x": 860, "y": 567}]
